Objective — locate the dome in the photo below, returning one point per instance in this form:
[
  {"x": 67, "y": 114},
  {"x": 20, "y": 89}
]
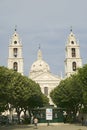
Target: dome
[{"x": 39, "y": 65}]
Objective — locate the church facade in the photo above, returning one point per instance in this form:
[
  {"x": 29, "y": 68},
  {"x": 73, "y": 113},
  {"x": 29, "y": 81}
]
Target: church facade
[
  {"x": 40, "y": 70},
  {"x": 40, "y": 73}
]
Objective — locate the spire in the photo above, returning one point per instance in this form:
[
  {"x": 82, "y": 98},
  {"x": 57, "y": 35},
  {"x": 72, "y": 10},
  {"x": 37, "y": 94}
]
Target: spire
[
  {"x": 39, "y": 55},
  {"x": 71, "y": 29},
  {"x": 15, "y": 37},
  {"x": 15, "y": 28},
  {"x": 39, "y": 46},
  {"x": 71, "y": 33}
]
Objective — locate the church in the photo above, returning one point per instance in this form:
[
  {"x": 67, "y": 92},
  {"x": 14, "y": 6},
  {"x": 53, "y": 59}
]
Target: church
[{"x": 40, "y": 70}]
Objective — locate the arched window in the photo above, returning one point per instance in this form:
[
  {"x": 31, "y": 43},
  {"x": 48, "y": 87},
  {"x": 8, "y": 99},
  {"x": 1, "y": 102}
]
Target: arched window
[
  {"x": 46, "y": 91},
  {"x": 15, "y": 42},
  {"x": 74, "y": 66},
  {"x": 72, "y": 42},
  {"x": 73, "y": 51},
  {"x": 15, "y": 66},
  {"x": 15, "y": 51}
]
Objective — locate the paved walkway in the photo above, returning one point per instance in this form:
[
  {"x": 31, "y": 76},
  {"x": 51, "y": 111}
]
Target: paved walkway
[{"x": 59, "y": 126}]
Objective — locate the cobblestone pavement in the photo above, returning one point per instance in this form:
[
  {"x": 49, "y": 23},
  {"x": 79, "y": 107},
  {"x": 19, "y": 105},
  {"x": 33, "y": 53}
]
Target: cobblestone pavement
[{"x": 60, "y": 126}]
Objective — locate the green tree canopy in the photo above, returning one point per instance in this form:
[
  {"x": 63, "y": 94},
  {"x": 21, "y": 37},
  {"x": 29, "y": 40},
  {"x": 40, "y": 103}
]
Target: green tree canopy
[
  {"x": 19, "y": 91},
  {"x": 82, "y": 75},
  {"x": 68, "y": 94}
]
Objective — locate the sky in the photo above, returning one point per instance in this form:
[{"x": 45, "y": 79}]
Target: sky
[{"x": 44, "y": 22}]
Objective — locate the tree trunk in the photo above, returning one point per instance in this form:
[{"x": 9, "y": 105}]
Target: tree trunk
[{"x": 18, "y": 114}]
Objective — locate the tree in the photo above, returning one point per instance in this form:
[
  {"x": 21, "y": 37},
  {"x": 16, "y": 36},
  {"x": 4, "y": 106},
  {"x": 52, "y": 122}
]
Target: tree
[
  {"x": 82, "y": 76},
  {"x": 68, "y": 95},
  {"x": 19, "y": 92},
  {"x": 5, "y": 79},
  {"x": 25, "y": 94}
]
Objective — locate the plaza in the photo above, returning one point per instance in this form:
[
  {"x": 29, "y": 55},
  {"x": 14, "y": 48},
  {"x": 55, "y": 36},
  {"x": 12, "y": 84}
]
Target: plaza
[{"x": 58, "y": 126}]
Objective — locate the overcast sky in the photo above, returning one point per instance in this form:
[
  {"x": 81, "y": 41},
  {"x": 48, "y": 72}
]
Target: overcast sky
[{"x": 44, "y": 22}]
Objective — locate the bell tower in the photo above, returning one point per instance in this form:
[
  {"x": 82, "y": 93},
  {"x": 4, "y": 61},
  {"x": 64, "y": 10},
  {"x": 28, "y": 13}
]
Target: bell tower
[
  {"x": 15, "y": 59},
  {"x": 72, "y": 59}
]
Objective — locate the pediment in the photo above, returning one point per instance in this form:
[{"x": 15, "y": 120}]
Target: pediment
[{"x": 46, "y": 76}]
